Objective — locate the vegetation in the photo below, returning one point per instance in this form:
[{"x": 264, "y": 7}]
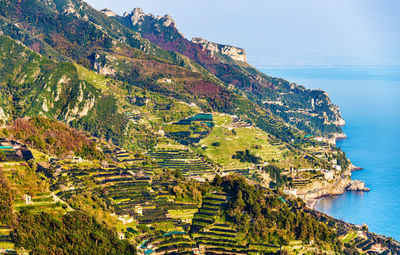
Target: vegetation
[
  {"x": 246, "y": 156},
  {"x": 157, "y": 145},
  {"x": 275, "y": 174},
  {"x": 6, "y": 201},
  {"x": 74, "y": 233},
  {"x": 53, "y": 137},
  {"x": 264, "y": 217}
]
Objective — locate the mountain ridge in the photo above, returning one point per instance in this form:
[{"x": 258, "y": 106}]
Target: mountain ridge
[{"x": 256, "y": 85}]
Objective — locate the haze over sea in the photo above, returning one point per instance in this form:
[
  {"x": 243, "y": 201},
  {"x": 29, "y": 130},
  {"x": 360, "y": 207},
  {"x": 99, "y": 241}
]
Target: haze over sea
[{"x": 369, "y": 99}]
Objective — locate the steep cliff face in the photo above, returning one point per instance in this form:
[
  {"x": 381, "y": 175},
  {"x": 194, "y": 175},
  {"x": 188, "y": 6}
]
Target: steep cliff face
[{"x": 235, "y": 53}]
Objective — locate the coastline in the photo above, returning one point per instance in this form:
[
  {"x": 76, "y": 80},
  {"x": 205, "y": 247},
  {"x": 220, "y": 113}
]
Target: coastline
[{"x": 340, "y": 187}]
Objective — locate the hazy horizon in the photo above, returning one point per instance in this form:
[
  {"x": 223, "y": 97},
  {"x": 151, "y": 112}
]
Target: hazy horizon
[{"x": 288, "y": 32}]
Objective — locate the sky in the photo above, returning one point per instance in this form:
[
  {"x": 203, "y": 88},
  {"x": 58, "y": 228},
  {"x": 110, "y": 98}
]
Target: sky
[{"x": 287, "y": 32}]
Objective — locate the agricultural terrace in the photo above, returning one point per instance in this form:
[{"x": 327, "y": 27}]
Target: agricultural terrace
[
  {"x": 187, "y": 162},
  {"x": 190, "y": 130},
  {"x": 229, "y": 136}
]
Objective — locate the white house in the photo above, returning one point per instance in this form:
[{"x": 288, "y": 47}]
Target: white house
[
  {"x": 292, "y": 192},
  {"x": 28, "y": 199},
  {"x": 139, "y": 210}
]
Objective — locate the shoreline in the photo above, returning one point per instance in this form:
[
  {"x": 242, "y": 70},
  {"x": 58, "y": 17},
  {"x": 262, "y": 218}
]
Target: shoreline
[{"x": 313, "y": 202}]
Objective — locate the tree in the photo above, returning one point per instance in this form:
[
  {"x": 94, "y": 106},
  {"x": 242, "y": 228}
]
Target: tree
[
  {"x": 239, "y": 203},
  {"x": 2, "y": 155},
  {"x": 5, "y": 201},
  {"x": 217, "y": 180},
  {"x": 32, "y": 164}
]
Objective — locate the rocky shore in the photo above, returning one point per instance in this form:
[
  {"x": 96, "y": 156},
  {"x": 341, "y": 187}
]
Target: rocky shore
[
  {"x": 357, "y": 185},
  {"x": 311, "y": 195},
  {"x": 355, "y": 168}
]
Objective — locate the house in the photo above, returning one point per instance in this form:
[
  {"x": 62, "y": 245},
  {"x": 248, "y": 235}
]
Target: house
[
  {"x": 198, "y": 178},
  {"x": 77, "y": 159},
  {"x": 196, "y": 251},
  {"x": 337, "y": 167},
  {"x": 28, "y": 199},
  {"x": 121, "y": 236},
  {"x": 125, "y": 219},
  {"x": 319, "y": 139},
  {"x": 186, "y": 221},
  {"x": 139, "y": 210},
  {"x": 290, "y": 192},
  {"x": 328, "y": 175}
]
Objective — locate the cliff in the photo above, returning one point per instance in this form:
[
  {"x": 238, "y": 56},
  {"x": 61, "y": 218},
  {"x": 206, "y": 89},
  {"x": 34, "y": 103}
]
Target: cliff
[{"x": 235, "y": 53}]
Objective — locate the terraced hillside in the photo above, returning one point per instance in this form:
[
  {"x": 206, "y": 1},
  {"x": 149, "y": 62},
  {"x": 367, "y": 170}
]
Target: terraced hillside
[
  {"x": 187, "y": 162},
  {"x": 115, "y": 136}
]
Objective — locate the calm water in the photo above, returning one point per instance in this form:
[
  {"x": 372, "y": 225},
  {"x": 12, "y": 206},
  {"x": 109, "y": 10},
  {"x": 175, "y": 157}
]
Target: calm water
[{"x": 369, "y": 99}]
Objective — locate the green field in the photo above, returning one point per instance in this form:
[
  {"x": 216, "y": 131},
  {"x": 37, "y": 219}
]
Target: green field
[{"x": 241, "y": 139}]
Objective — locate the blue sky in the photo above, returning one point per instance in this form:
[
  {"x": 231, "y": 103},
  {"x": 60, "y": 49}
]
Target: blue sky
[{"x": 287, "y": 32}]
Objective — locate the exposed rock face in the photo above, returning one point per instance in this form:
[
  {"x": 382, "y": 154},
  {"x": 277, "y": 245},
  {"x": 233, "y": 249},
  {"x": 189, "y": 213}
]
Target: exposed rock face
[
  {"x": 320, "y": 189},
  {"x": 357, "y": 185},
  {"x": 235, "y": 53},
  {"x": 336, "y": 117},
  {"x": 100, "y": 63},
  {"x": 137, "y": 17},
  {"x": 109, "y": 13},
  {"x": 3, "y": 117}
]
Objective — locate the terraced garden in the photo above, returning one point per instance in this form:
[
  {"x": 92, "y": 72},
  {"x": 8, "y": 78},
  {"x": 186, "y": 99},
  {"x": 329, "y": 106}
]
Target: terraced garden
[
  {"x": 210, "y": 232},
  {"x": 230, "y": 135},
  {"x": 187, "y": 162},
  {"x": 6, "y": 242},
  {"x": 190, "y": 130}
]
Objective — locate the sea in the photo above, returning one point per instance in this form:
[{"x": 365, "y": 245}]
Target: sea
[{"x": 369, "y": 100}]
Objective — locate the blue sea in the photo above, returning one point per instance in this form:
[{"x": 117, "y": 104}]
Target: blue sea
[{"x": 369, "y": 99}]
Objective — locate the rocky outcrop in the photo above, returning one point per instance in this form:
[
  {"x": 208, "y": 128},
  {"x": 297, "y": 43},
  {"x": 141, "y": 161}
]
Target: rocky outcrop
[
  {"x": 357, "y": 185},
  {"x": 355, "y": 168},
  {"x": 320, "y": 188},
  {"x": 101, "y": 65},
  {"x": 109, "y": 13},
  {"x": 3, "y": 117},
  {"x": 137, "y": 18},
  {"x": 336, "y": 136},
  {"x": 235, "y": 53}
]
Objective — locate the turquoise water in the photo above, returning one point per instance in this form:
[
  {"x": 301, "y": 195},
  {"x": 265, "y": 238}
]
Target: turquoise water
[{"x": 369, "y": 99}]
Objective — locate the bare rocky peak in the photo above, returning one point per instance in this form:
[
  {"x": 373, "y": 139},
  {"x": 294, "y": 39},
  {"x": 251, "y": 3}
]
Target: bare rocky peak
[
  {"x": 235, "y": 53},
  {"x": 137, "y": 16},
  {"x": 108, "y": 12}
]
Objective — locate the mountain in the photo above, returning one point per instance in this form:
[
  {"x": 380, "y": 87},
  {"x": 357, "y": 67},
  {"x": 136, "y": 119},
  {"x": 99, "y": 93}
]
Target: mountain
[
  {"x": 117, "y": 132},
  {"x": 99, "y": 42},
  {"x": 308, "y": 110},
  {"x": 96, "y": 41}
]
